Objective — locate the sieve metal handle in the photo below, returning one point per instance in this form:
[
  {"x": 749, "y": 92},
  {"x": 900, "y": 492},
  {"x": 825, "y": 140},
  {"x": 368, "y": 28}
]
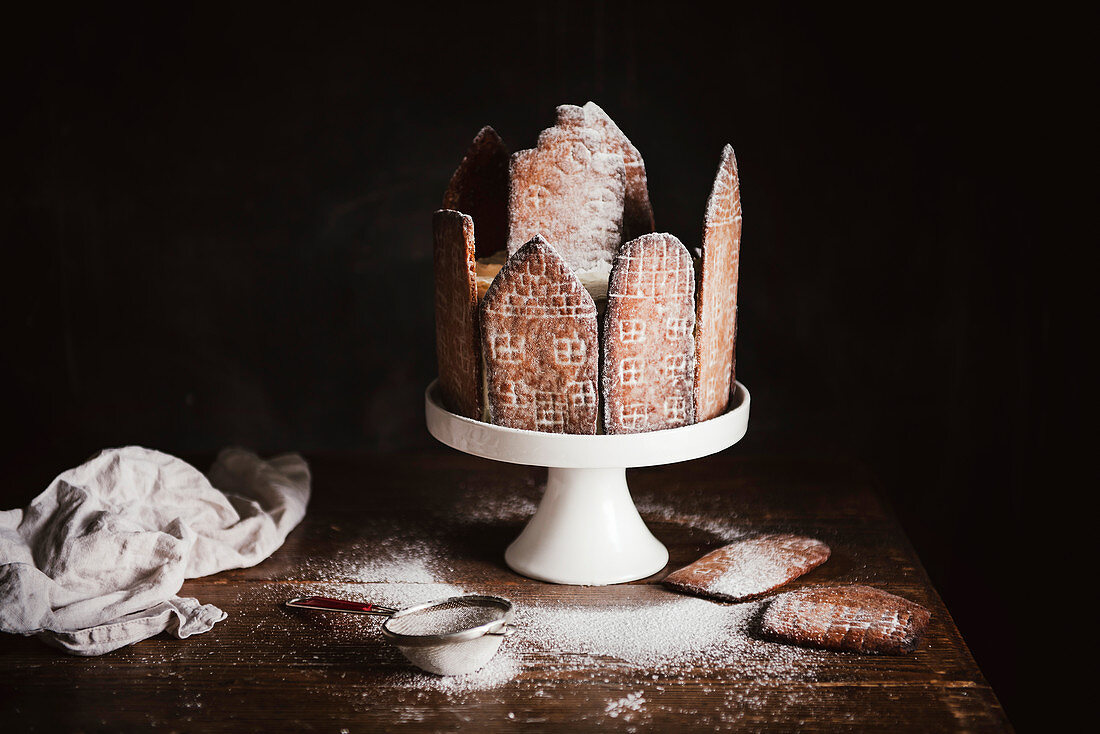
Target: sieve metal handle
[{"x": 325, "y": 604}]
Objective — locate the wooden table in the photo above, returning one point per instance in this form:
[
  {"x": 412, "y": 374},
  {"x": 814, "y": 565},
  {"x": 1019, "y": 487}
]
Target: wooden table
[{"x": 393, "y": 527}]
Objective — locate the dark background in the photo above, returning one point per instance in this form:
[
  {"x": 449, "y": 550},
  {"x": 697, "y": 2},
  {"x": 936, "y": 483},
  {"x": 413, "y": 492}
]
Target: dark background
[{"x": 216, "y": 231}]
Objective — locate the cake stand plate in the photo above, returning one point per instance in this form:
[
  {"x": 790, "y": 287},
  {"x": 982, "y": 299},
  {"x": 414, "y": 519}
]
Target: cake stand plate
[{"x": 587, "y": 530}]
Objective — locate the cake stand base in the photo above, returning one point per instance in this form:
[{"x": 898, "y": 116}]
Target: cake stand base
[{"x": 587, "y": 530}]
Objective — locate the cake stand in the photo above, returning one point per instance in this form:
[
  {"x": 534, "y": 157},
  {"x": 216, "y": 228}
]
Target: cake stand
[{"x": 587, "y": 530}]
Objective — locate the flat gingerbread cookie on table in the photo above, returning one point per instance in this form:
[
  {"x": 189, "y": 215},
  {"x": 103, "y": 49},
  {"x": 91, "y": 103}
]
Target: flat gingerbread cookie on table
[
  {"x": 539, "y": 338},
  {"x": 848, "y": 618},
  {"x": 748, "y": 568},
  {"x": 716, "y": 318},
  {"x": 648, "y": 337}
]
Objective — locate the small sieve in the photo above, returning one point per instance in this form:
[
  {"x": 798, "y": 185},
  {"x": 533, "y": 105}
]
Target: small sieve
[{"x": 451, "y": 636}]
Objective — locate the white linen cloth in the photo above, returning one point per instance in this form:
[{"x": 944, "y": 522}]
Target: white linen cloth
[{"x": 94, "y": 562}]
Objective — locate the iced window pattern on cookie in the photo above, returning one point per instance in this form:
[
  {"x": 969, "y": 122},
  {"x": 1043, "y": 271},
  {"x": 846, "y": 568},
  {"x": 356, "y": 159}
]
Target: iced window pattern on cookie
[
  {"x": 649, "y": 347},
  {"x": 541, "y": 345}
]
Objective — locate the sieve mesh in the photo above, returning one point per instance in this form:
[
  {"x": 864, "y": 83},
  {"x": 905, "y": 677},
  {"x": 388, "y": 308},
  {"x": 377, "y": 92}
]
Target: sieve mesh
[{"x": 446, "y": 617}]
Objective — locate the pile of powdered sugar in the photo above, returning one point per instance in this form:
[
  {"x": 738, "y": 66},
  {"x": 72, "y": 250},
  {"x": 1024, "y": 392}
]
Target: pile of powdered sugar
[{"x": 667, "y": 637}]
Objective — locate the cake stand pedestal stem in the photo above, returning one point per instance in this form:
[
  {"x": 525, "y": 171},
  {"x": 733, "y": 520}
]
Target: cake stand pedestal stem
[{"x": 586, "y": 531}]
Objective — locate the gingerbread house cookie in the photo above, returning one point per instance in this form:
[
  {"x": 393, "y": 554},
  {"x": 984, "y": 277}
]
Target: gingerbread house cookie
[
  {"x": 539, "y": 338},
  {"x": 748, "y": 568},
  {"x": 570, "y": 190},
  {"x": 853, "y": 618},
  {"x": 648, "y": 341},
  {"x": 716, "y": 320},
  {"x": 637, "y": 210},
  {"x": 457, "y": 338},
  {"x": 479, "y": 187}
]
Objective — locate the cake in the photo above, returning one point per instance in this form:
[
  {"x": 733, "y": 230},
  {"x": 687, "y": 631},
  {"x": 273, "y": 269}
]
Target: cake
[{"x": 547, "y": 257}]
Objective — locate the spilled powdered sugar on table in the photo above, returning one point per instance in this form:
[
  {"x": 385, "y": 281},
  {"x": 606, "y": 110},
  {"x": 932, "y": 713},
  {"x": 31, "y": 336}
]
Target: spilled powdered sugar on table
[{"x": 667, "y": 639}]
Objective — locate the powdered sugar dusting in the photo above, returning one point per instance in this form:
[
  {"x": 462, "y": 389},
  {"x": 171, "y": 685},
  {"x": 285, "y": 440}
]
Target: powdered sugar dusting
[
  {"x": 723, "y": 529},
  {"x": 765, "y": 565},
  {"x": 637, "y": 634},
  {"x": 517, "y": 500},
  {"x": 674, "y": 634},
  {"x": 748, "y": 568},
  {"x": 570, "y": 188},
  {"x": 633, "y": 702}
]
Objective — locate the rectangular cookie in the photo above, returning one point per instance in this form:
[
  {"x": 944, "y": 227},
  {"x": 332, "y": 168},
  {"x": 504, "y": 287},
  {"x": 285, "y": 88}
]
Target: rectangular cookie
[
  {"x": 850, "y": 618},
  {"x": 457, "y": 335},
  {"x": 748, "y": 568},
  {"x": 648, "y": 337}
]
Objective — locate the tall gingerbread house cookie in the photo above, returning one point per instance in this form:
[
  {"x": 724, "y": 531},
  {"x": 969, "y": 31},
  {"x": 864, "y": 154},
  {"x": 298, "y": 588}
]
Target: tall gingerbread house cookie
[
  {"x": 637, "y": 210},
  {"x": 569, "y": 189},
  {"x": 479, "y": 187},
  {"x": 716, "y": 319},
  {"x": 648, "y": 340},
  {"x": 457, "y": 338},
  {"x": 540, "y": 342}
]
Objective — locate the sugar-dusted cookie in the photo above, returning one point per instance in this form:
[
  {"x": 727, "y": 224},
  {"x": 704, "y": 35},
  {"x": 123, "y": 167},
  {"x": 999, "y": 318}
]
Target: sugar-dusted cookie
[
  {"x": 751, "y": 567},
  {"x": 637, "y": 211},
  {"x": 570, "y": 190},
  {"x": 457, "y": 338},
  {"x": 853, "y": 618},
  {"x": 539, "y": 338},
  {"x": 648, "y": 340},
  {"x": 479, "y": 187},
  {"x": 716, "y": 321}
]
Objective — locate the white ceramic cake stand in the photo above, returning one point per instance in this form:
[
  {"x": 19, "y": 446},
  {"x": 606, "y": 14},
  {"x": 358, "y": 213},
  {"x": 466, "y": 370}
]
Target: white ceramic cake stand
[{"x": 587, "y": 530}]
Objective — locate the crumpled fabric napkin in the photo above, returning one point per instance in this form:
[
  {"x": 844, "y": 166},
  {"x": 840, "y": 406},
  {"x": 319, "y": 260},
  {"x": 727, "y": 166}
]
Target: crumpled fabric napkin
[{"x": 94, "y": 562}]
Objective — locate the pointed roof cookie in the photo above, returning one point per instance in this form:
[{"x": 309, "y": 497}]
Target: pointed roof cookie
[
  {"x": 570, "y": 190},
  {"x": 648, "y": 342},
  {"x": 479, "y": 187},
  {"x": 637, "y": 210},
  {"x": 539, "y": 338},
  {"x": 853, "y": 618},
  {"x": 457, "y": 339},
  {"x": 716, "y": 318}
]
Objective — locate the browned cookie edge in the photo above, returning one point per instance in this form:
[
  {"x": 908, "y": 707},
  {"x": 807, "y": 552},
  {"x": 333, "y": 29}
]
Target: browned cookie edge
[
  {"x": 716, "y": 319},
  {"x": 479, "y": 187},
  {"x": 458, "y": 340}
]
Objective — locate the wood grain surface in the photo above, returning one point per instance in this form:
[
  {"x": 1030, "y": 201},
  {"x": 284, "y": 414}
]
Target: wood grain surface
[{"x": 271, "y": 668}]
